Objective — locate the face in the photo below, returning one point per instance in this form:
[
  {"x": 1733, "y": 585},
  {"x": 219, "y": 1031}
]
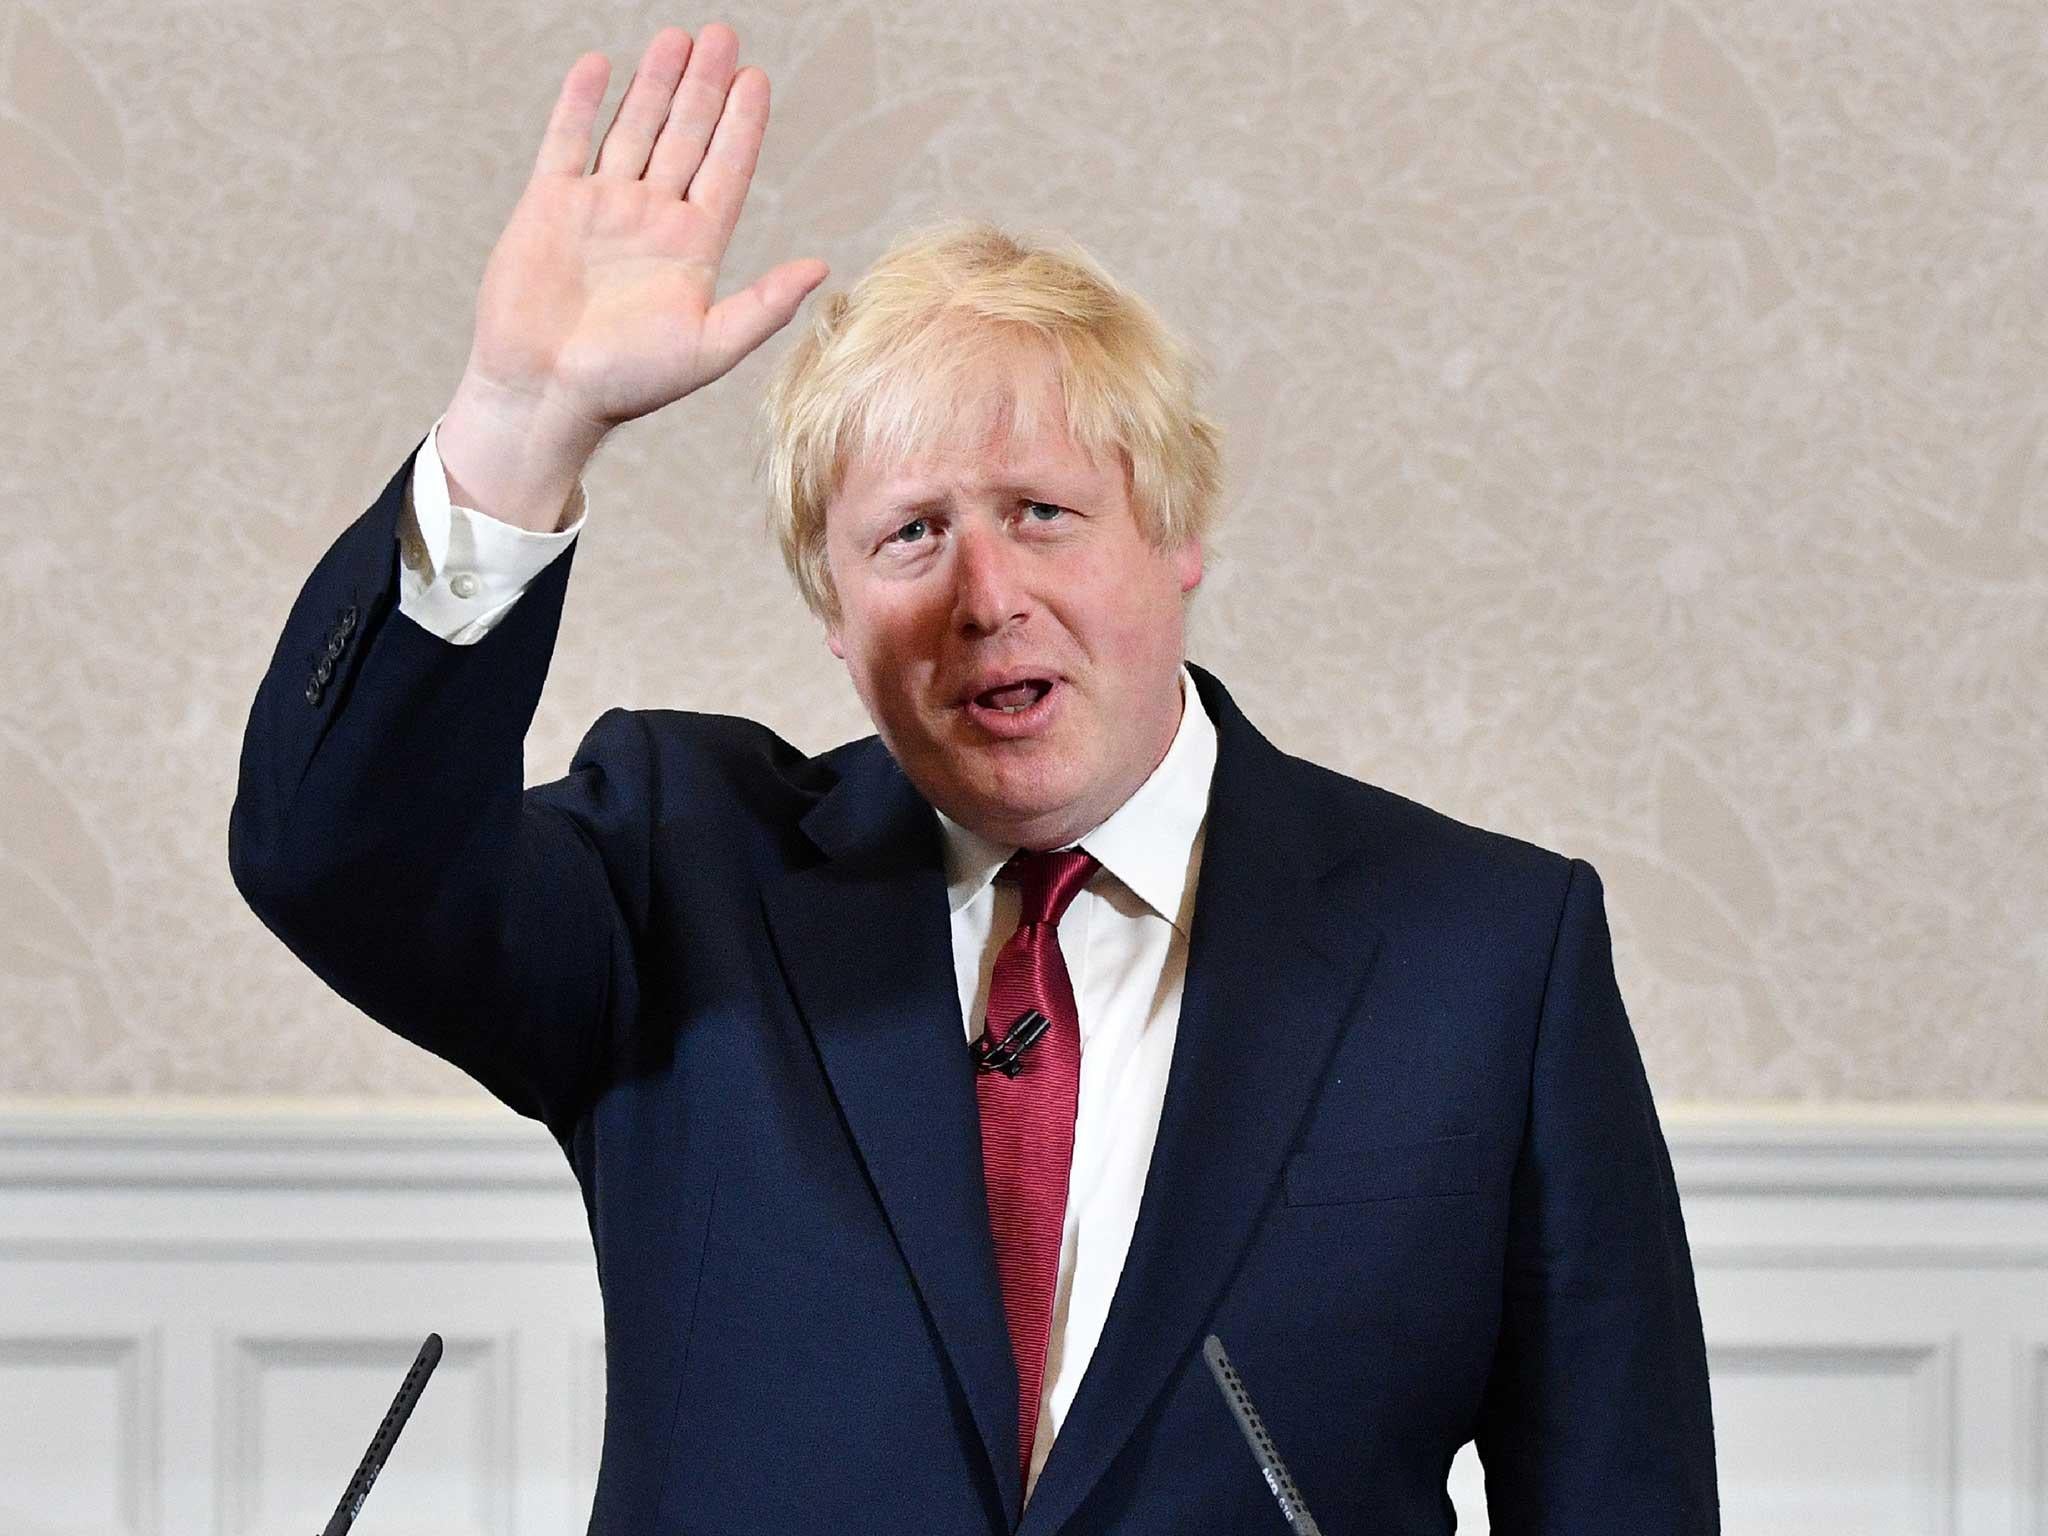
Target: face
[{"x": 1015, "y": 638}]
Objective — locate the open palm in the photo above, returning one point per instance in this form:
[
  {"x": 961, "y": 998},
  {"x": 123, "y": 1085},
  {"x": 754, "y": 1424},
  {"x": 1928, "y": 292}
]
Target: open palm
[{"x": 598, "y": 298}]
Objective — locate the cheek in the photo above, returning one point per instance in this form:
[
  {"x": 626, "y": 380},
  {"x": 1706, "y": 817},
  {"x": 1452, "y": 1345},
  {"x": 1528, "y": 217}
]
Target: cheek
[
  {"x": 1145, "y": 613},
  {"x": 887, "y": 664}
]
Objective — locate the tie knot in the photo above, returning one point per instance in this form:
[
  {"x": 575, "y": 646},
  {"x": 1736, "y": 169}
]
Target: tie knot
[{"x": 1049, "y": 881}]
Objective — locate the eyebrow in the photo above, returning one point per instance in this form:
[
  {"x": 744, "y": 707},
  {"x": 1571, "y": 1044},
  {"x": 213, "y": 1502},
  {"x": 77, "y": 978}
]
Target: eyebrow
[{"x": 911, "y": 498}]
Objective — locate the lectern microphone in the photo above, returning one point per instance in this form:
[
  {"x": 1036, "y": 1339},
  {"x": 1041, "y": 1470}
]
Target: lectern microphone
[
  {"x": 1296, "y": 1514},
  {"x": 387, "y": 1436}
]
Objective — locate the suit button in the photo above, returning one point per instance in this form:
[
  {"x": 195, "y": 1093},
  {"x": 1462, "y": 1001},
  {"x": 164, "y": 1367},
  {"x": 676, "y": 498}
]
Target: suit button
[
  {"x": 348, "y": 618},
  {"x": 335, "y": 642},
  {"x": 312, "y": 692},
  {"x": 324, "y": 671}
]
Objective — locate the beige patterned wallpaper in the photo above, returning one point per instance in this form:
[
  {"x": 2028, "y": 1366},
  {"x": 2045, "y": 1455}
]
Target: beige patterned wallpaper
[{"x": 1637, "y": 436}]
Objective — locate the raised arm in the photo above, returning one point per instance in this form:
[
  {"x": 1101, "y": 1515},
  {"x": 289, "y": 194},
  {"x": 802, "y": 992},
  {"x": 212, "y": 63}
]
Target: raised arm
[{"x": 380, "y": 827}]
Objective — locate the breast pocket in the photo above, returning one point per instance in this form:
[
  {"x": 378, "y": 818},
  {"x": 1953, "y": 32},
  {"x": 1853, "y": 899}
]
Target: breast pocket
[{"x": 1407, "y": 1170}]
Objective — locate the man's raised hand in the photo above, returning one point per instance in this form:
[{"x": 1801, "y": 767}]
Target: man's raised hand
[{"x": 596, "y": 304}]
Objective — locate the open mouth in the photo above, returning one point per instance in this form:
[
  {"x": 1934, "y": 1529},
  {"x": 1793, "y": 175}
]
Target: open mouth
[
  {"x": 1019, "y": 708},
  {"x": 1014, "y": 698}
]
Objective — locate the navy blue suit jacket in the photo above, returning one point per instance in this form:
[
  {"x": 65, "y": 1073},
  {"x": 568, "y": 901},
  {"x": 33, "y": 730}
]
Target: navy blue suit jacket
[{"x": 1408, "y": 1167}]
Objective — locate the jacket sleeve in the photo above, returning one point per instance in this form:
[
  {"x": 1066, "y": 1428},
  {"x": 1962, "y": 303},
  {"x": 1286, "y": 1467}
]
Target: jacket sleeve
[
  {"x": 1596, "y": 1417},
  {"x": 381, "y": 831}
]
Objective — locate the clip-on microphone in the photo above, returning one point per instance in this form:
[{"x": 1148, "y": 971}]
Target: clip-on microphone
[{"x": 1007, "y": 1055}]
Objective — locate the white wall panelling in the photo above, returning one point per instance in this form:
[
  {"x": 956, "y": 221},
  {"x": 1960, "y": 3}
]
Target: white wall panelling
[
  {"x": 203, "y": 1315},
  {"x": 78, "y": 1430}
]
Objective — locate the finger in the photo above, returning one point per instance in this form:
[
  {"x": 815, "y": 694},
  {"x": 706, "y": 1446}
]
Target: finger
[
  {"x": 644, "y": 106},
  {"x": 565, "y": 147},
  {"x": 694, "y": 112},
  {"x": 720, "y": 185},
  {"x": 740, "y": 322}
]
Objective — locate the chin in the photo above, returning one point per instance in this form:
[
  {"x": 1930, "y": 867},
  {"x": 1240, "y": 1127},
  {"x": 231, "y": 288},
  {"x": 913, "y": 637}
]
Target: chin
[{"x": 1001, "y": 812}]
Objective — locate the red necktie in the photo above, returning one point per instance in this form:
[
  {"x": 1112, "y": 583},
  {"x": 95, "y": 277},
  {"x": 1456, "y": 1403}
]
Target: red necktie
[{"x": 1027, "y": 1100}]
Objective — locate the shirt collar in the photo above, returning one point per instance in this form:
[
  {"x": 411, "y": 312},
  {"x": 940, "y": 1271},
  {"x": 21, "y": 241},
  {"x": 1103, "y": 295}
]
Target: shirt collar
[{"x": 1148, "y": 842}]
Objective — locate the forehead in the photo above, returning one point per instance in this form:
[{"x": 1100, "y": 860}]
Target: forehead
[{"x": 1000, "y": 428}]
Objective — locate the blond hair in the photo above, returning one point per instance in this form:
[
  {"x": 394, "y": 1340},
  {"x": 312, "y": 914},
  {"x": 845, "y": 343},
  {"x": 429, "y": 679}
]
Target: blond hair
[{"x": 922, "y": 350}]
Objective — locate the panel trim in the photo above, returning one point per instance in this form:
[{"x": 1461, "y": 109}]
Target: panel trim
[
  {"x": 1875, "y": 1150},
  {"x": 456, "y": 1183},
  {"x": 136, "y": 1360},
  {"x": 243, "y": 1357},
  {"x": 2030, "y": 1467},
  {"x": 1926, "y": 1366}
]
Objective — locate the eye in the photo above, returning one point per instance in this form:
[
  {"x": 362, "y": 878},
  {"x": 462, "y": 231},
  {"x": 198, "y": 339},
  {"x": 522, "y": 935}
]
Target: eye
[
  {"x": 910, "y": 532},
  {"x": 1043, "y": 511}
]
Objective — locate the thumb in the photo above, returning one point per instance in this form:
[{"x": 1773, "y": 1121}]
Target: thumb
[{"x": 741, "y": 321}]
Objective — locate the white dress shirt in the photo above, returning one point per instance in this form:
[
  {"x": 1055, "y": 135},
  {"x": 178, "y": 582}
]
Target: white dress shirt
[{"x": 1124, "y": 938}]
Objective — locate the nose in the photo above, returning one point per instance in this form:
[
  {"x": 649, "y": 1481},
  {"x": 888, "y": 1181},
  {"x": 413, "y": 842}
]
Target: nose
[{"x": 988, "y": 591}]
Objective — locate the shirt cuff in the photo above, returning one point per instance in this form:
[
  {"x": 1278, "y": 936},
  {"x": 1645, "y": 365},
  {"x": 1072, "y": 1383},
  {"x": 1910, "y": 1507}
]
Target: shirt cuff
[{"x": 461, "y": 570}]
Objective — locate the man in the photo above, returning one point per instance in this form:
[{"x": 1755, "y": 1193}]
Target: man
[{"x": 934, "y": 1097}]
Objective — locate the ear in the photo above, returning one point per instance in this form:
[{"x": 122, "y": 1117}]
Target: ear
[
  {"x": 1187, "y": 565},
  {"x": 833, "y": 643}
]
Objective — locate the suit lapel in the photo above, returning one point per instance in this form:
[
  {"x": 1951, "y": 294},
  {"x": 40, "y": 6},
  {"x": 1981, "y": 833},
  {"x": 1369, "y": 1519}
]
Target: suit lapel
[
  {"x": 865, "y": 940},
  {"x": 1274, "y": 969}
]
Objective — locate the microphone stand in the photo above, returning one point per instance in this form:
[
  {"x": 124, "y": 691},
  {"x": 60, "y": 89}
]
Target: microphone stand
[
  {"x": 386, "y": 1437},
  {"x": 1292, "y": 1509}
]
